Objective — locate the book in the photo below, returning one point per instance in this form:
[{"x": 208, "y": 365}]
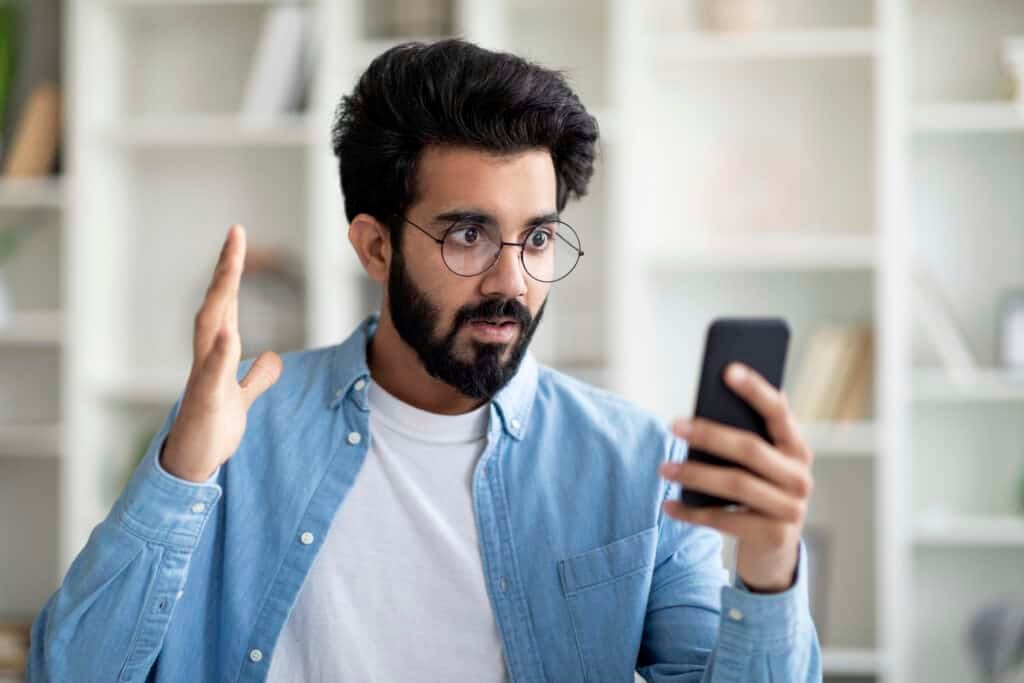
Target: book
[
  {"x": 276, "y": 82},
  {"x": 937, "y": 321},
  {"x": 816, "y": 372},
  {"x": 840, "y": 372},
  {"x": 854, "y": 404},
  {"x": 36, "y": 140}
]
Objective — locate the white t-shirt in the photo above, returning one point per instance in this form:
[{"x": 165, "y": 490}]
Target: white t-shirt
[{"x": 397, "y": 591}]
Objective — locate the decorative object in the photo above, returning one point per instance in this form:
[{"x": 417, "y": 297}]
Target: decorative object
[
  {"x": 818, "y": 542},
  {"x": 417, "y": 19},
  {"x": 937, "y": 320},
  {"x": 1013, "y": 61},
  {"x": 1011, "y": 331},
  {"x": 736, "y": 15},
  {"x": 14, "y": 640},
  {"x": 995, "y": 640}
]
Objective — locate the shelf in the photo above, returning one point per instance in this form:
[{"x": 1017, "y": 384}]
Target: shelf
[
  {"x": 33, "y": 328},
  {"x": 968, "y": 117},
  {"x": 772, "y": 251},
  {"x": 197, "y": 3},
  {"x": 150, "y": 388},
  {"x": 852, "y": 661},
  {"x": 970, "y": 530},
  {"x": 985, "y": 384},
  {"x": 800, "y": 44},
  {"x": 32, "y": 193},
  {"x": 211, "y": 130},
  {"x": 30, "y": 440},
  {"x": 838, "y": 439}
]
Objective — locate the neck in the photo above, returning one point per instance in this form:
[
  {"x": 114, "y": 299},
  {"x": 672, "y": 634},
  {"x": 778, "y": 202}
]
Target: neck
[{"x": 395, "y": 366}]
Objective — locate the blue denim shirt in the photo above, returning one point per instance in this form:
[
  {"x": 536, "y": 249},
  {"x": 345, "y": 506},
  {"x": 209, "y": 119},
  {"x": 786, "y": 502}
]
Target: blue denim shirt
[{"x": 587, "y": 578}]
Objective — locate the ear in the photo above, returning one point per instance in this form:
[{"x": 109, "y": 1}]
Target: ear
[{"x": 372, "y": 242}]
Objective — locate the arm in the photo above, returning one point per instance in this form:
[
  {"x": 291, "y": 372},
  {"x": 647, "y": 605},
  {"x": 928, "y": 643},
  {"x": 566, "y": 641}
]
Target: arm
[
  {"x": 692, "y": 632},
  {"x": 107, "y": 620}
]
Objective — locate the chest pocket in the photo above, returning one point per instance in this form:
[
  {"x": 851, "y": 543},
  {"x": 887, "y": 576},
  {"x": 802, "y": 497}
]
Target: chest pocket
[{"x": 606, "y": 591}]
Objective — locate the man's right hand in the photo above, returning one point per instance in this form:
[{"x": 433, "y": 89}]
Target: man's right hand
[{"x": 211, "y": 418}]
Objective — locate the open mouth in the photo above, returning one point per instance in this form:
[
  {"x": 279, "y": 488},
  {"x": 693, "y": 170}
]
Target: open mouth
[{"x": 497, "y": 329}]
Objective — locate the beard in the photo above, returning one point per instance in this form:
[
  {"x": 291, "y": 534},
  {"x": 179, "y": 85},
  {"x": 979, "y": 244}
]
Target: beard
[{"x": 416, "y": 318}]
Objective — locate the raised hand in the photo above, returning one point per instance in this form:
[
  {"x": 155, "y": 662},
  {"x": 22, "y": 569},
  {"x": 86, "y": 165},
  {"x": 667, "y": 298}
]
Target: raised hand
[{"x": 211, "y": 418}]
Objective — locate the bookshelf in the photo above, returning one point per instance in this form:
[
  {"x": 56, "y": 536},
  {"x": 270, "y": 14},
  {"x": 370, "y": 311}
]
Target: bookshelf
[
  {"x": 964, "y": 147},
  {"x": 891, "y": 147}
]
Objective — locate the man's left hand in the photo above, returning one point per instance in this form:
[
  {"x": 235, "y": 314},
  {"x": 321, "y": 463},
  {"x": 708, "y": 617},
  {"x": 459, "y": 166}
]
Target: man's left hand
[{"x": 773, "y": 495}]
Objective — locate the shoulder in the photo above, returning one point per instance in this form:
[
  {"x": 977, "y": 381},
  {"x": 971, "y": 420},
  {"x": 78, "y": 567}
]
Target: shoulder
[{"x": 583, "y": 407}]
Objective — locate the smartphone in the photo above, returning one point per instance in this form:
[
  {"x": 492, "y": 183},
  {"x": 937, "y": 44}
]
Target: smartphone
[{"x": 759, "y": 343}]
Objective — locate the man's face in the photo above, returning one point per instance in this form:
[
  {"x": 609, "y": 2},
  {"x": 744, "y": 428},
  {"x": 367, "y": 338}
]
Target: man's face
[{"x": 438, "y": 313}]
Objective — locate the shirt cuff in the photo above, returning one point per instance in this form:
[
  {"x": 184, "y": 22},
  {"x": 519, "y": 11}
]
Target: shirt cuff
[
  {"x": 766, "y": 621},
  {"x": 165, "y": 509}
]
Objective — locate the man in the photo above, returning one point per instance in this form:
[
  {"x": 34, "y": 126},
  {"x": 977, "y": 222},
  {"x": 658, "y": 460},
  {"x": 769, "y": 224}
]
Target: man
[{"x": 424, "y": 501}]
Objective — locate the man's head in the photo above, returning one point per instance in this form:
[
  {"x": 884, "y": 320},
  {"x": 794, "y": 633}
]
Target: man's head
[{"x": 449, "y": 134}]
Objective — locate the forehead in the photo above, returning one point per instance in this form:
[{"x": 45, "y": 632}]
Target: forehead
[{"x": 451, "y": 177}]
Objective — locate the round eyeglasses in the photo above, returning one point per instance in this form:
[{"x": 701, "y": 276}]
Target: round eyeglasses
[{"x": 550, "y": 251}]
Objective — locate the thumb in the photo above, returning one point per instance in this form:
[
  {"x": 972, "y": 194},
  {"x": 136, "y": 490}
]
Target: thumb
[{"x": 264, "y": 371}]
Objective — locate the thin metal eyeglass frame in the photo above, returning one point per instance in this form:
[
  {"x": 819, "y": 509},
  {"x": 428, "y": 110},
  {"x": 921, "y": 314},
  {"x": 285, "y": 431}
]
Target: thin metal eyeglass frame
[{"x": 502, "y": 245}]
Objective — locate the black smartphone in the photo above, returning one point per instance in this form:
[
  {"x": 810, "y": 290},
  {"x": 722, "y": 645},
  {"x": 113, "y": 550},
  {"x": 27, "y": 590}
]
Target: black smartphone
[{"x": 759, "y": 343}]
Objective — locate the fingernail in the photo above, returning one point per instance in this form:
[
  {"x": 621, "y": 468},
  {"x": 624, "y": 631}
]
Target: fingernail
[{"x": 737, "y": 372}]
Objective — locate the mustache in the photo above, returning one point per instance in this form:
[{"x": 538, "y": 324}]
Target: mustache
[{"x": 495, "y": 308}]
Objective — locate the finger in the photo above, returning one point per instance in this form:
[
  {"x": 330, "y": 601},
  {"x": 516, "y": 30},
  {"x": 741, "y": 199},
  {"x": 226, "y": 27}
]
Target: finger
[
  {"x": 222, "y": 361},
  {"x": 736, "y": 523},
  {"x": 749, "y": 450},
  {"x": 771, "y": 404},
  {"x": 739, "y": 485},
  {"x": 264, "y": 371},
  {"x": 223, "y": 285}
]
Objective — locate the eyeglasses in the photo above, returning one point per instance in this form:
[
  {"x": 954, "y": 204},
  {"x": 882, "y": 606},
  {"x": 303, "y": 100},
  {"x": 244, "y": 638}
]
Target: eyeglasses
[{"x": 549, "y": 253}]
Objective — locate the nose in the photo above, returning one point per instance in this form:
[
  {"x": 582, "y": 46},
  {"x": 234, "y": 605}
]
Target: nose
[{"x": 506, "y": 278}]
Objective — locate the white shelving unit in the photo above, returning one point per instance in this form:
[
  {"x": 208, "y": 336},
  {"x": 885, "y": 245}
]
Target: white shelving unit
[
  {"x": 965, "y": 161},
  {"x": 879, "y": 121}
]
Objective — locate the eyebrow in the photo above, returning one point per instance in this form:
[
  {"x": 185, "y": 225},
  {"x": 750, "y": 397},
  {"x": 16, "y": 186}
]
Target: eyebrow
[{"x": 486, "y": 219}]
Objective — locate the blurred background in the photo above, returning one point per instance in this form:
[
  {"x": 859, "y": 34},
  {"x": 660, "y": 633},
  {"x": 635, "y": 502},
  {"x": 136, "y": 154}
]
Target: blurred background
[{"x": 854, "y": 166}]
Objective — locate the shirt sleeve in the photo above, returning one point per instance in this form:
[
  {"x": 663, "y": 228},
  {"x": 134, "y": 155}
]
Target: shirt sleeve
[
  {"x": 107, "y": 619},
  {"x": 698, "y": 627}
]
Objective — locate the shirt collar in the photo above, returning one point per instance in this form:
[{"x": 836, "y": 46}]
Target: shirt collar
[{"x": 350, "y": 375}]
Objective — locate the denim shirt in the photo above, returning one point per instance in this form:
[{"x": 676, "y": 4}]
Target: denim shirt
[{"x": 587, "y": 578}]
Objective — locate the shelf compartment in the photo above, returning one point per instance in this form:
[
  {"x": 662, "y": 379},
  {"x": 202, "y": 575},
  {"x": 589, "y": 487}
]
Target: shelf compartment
[
  {"x": 696, "y": 46},
  {"x": 837, "y": 439},
  {"x": 211, "y": 130},
  {"x": 845, "y": 661},
  {"x": 772, "y": 251},
  {"x": 968, "y": 117},
  {"x": 33, "y": 328},
  {"x": 952, "y": 531},
  {"x": 32, "y": 193},
  {"x": 983, "y": 385},
  {"x": 37, "y": 439}
]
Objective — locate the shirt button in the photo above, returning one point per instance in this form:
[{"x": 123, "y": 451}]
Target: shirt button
[
  {"x": 306, "y": 538},
  {"x": 198, "y": 507},
  {"x": 735, "y": 614},
  {"x": 503, "y": 584},
  {"x": 339, "y": 392},
  {"x": 515, "y": 424},
  {"x": 354, "y": 438},
  {"x": 255, "y": 655},
  {"x": 360, "y": 384}
]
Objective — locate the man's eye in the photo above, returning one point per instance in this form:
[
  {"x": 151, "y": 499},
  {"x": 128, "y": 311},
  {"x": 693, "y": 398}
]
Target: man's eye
[
  {"x": 539, "y": 239},
  {"x": 466, "y": 236}
]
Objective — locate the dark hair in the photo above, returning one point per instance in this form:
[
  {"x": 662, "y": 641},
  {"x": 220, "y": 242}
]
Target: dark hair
[{"x": 453, "y": 92}]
